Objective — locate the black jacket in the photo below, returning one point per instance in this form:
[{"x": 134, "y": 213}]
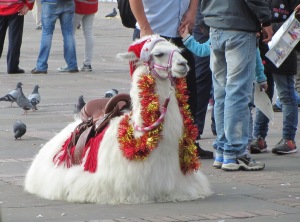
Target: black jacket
[
  {"x": 281, "y": 10},
  {"x": 244, "y": 15}
]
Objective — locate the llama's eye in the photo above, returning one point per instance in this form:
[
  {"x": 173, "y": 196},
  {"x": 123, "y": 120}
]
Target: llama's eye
[{"x": 158, "y": 54}]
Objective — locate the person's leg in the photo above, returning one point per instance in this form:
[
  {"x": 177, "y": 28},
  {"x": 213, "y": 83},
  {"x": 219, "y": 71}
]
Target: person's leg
[
  {"x": 37, "y": 15},
  {"x": 191, "y": 76},
  {"x": 3, "y": 29},
  {"x": 297, "y": 76},
  {"x": 38, "y": 18},
  {"x": 285, "y": 86},
  {"x": 66, "y": 22},
  {"x": 49, "y": 17},
  {"x": 261, "y": 122},
  {"x": 87, "y": 27},
  {"x": 76, "y": 21},
  {"x": 219, "y": 66},
  {"x": 232, "y": 70},
  {"x": 204, "y": 85},
  {"x": 191, "y": 86},
  {"x": 135, "y": 34},
  {"x": 203, "y": 73},
  {"x": 15, "y": 34}
]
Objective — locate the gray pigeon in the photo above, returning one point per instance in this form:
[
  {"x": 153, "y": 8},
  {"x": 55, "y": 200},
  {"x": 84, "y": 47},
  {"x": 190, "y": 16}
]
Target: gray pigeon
[
  {"x": 35, "y": 97},
  {"x": 80, "y": 104},
  {"x": 23, "y": 102},
  {"x": 113, "y": 14},
  {"x": 111, "y": 93},
  {"x": 12, "y": 96},
  {"x": 19, "y": 129}
]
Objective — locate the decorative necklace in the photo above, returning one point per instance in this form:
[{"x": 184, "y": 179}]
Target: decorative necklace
[{"x": 140, "y": 148}]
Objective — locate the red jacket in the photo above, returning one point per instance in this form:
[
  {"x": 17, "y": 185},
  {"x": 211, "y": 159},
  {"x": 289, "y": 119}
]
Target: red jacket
[
  {"x": 10, "y": 7},
  {"x": 85, "y": 7}
]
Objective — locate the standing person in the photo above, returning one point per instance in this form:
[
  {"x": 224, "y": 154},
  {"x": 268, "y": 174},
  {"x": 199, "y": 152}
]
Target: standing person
[
  {"x": 84, "y": 14},
  {"x": 37, "y": 14},
  {"x": 166, "y": 18},
  {"x": 203, "y": 75},
  {"x": 64, "y": 11},
  {"x": 12, "y": 18},
  {"x": 285, "y": 86},
  {"x": 297, "y": 77},
  {"x": 233, "y": 26}
]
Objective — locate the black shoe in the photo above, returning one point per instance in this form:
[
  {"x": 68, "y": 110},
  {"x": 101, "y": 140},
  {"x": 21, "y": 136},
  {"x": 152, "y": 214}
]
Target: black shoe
[
  {"x": 276, "y": 108},
  {"x": 204, "y": 154},
  {"x": 18, "y": 71},
  {"x": 214, "y": 132},
  {"x": 35, "y": 71},
  {"x": 258, "y": 145}
]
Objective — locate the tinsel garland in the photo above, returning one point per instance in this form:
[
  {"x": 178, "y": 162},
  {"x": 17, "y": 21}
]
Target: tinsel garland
[
  {"x": 140, "y": 148},
  {"x": 189, "y": 161}
]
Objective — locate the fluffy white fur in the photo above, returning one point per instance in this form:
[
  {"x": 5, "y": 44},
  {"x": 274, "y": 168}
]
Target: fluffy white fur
[{"x": 118, "y": 180}]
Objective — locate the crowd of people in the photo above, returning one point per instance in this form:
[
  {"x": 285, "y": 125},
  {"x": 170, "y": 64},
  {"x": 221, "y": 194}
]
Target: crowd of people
[
  {"x": 220, "y": 42},
  {"x": 70, "y": 13}
]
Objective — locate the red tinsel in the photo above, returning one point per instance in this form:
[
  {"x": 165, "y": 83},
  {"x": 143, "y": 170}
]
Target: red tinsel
[{"x": 140, "y": 148}]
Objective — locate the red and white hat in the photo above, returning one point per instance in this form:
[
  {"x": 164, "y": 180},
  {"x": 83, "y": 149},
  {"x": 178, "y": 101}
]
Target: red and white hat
[{"x": 142, "y": 49}]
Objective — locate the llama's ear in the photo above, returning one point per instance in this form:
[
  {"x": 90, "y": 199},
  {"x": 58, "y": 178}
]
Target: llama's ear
[{"x": 126, "y": 56}]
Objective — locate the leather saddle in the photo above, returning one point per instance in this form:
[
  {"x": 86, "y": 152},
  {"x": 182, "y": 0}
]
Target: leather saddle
[{"x": 95, "y": 116}]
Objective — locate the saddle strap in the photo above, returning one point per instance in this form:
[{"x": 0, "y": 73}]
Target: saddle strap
[{"x": 90, "y": 132}]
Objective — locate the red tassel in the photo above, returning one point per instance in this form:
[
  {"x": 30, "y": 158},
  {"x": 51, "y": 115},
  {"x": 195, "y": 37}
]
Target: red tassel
[
  {"x": 93, "y": 147},
  {"x": 63, "y": 156}
]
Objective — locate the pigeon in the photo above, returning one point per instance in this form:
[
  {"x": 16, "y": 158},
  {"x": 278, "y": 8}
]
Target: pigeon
[
  {"x": 80, "y": 104},
  {"x": 113, "y": 14},
  {"x": 19, "y": 129},
  {"x": 111, "y": 93},
  {"x": 12, "y": 96},
  {"x": 23, "y": 102},
  {"x": 35, "y": 98}
]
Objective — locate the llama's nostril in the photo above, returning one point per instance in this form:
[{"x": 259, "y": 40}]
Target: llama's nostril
[{"x": 182, "y": 63}]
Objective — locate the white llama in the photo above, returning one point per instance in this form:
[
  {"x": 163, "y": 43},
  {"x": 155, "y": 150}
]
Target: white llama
[{"x": 162, "y": 167}]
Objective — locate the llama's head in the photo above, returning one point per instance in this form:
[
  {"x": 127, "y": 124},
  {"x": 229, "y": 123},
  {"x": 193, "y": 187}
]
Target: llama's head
[{"x": 163, "y": 58}]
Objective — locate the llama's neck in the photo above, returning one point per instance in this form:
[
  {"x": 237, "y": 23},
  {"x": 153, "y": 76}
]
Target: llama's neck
[{"x": 163, "y": 89}]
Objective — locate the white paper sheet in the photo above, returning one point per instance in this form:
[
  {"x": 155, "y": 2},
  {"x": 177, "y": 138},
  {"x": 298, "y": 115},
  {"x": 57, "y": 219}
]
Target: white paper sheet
[{"x": 263, "y": 102}]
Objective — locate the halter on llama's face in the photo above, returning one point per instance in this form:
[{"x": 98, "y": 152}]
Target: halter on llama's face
[
  {"x": 165, "y": 57},
  {"x": 162, "y": 58}
]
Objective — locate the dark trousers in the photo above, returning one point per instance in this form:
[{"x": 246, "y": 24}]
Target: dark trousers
[
  {"x": 14, "y": 23},
  {"x": 203, "y": 85},
  {"x": 191, "y": 76}
]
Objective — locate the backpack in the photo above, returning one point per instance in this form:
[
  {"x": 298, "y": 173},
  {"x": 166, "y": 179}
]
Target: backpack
[{"x": 127, "y": 17}]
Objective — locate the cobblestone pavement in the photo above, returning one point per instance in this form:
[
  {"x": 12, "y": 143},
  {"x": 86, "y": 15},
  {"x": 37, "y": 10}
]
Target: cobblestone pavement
[{"x": 269, "y": 195}]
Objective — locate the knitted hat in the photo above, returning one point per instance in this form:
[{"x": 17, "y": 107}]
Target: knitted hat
[{"x": 142, "y": 48}]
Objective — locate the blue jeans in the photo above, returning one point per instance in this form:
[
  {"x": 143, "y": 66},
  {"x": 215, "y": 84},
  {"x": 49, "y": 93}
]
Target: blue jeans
[
  {"x": 51, "y": 11},
  {"x": 285, "y": 86},
  {"x": 233, "y": 66},
  {"x": 278, "y": 103}
]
